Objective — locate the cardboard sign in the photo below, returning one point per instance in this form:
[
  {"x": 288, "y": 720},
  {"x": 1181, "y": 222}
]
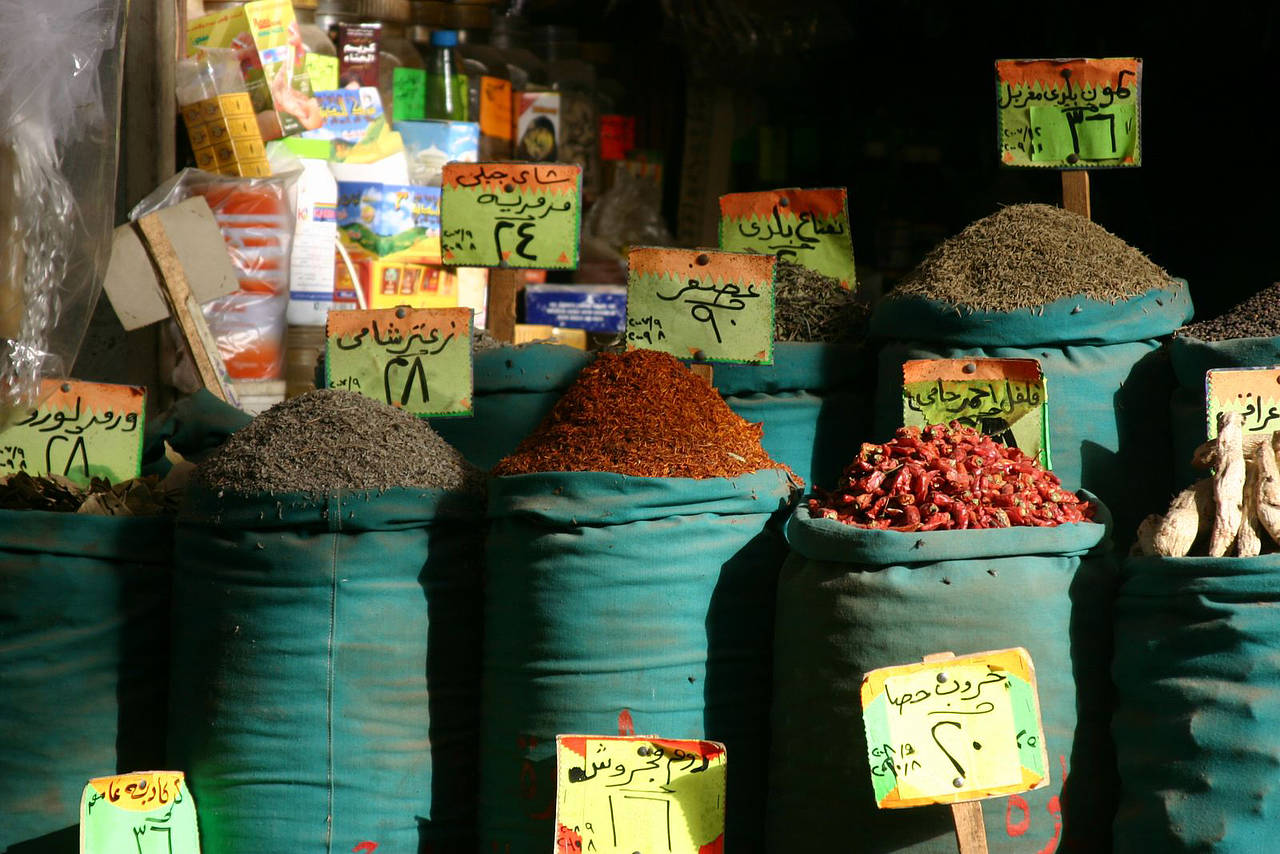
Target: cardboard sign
[
  {"x": 511, "y": 215},
  {"x": 1069, "y": 113},
  {"x": 80, "y": 431},
  {"x": 806, "y": 227},
  {"x": 622, "y": 794},
  {"x": 418, "y": 360},
  {"x": 149, "y": 812},
  {"x": 408, "y": 94},
  {"x": 1004, "y": 398},
  {"x": 711, "y": 306},
  {"x": 962, "y": 729},
  {"x": 1253, "y": 392}
]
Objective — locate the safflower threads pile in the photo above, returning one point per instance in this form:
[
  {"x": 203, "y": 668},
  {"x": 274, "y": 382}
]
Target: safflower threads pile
[{"x": 943, "y": 478}]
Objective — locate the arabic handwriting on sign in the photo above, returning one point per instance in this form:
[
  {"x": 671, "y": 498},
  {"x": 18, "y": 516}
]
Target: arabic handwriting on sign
[
  {"x": 968, "y": 398},
  {"x": 1258, "y": 415},
  {"x": 704, "y": 298},
  {"x": 1081, "y": 96},
  {"x": 968, "y": 692}
]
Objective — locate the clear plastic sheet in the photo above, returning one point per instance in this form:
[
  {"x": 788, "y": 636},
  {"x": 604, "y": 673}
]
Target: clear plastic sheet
[
  {"x": 255, "y": 217},
  {"x": 60, "y": 77}
]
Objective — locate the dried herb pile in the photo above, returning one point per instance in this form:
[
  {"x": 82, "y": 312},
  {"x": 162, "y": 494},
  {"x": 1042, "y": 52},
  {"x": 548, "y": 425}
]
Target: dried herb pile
[
  {"x": 644, "y": 414},
  {"x": 1025, "y": 256},
  {"x": 809, "y": 306},
  {"x": 944, "y": 478},
  {"x": 143, "y": 496},
  {"x": 334, "y": 439},
  {"x": 1256, "y": 317}
]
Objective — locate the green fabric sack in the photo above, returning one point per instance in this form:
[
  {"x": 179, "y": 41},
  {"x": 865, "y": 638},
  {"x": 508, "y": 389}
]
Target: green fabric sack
[
  {"x": 1191, "y": 359},
  {"x": 84, "y": 659},
  {"x": 325, "y": 674},
  {"x": 618, "y": 604},
  {"x": 1107, "y": 380},
  {"x": 813, "y": 402},
  {"x": 194, "y": 426},
  {"x": 515, "y": 387},
  {"x": 1197, "y": 673},
  {"x": 851, "y": 600}
]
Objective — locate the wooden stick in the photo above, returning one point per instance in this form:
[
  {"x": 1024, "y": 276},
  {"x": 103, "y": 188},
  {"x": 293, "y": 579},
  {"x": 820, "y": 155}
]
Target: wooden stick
[
  {"x": 701, "y": 369},
  {"x": 504, "y": 283},
  {"x": 1075, "y": 192},
  {"x": 971, "y": 831},
  {"x": 184, "y": 309}
]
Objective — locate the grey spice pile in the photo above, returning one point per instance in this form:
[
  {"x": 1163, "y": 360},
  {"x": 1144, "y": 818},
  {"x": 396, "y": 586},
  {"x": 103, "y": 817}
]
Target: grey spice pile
[
  {"x": 332, "y": 439},
  {"x": 1256, "y": 317},
  {"x": 1026, "y": 256},
  {"x": 809, "y": 306}
]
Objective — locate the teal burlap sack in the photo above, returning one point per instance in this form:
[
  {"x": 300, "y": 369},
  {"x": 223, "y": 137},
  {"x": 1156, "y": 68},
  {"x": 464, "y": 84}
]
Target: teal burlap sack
[
  {"x": 615, "y": 603},
  {"x": 1108, "y": 383},
  {"x": 814, "y": 400},
  {"x": 1197, "y": 674},
  {"x": 326, "y": 670},
  {"x": 515, "y": 387},
  {"x": 84, "y": 661},
  {"x": 851, "y": 600},
  {"x": 1191, "y": 359}
]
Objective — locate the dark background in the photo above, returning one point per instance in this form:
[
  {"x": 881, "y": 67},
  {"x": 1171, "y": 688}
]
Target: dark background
[{"x": 896, "y": 101}]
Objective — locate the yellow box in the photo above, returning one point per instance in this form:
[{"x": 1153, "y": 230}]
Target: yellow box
[
  {"x": 199, "y": 135},
  {"x": 225, "y": 153},
  {"x": 217, "y": 131},
  {"x": 254, "y": 168},
  {"x": 243, "y": 126},
  {"x": 237, "y": 104},
  {"x": 192, "y": 114},
  {"x": 249, "y": 149},
  {"x": 206, "y": 160},
  {"x": 209, "y": 109}
]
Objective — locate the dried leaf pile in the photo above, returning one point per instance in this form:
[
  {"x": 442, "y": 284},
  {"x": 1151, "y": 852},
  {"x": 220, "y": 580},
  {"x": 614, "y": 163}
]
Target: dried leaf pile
[
  {"x": 143, "y": 496},
  {"x": 808, "y": 306},
  {"x": 1025, "y": 256},
  {"x": 641, "y": 413},
  {"x": 1235, "y": 511}
]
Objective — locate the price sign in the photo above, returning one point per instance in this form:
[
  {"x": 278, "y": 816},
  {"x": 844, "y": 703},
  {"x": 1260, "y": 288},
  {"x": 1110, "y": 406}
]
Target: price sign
[
  {"x": 622, "y": 794},
  {"x": 713, "y": 306},
  {"x": 511, "y": 215},
  {"x": 1069, "y": 113},
  {"x": 79, "y": 430},
  {"x": 806, "y": 227},
  {"x": 960, "y": 729},
  {"x": 1004, "y": 398},
  {"x": 418, "y": 360},
  {"x": 150, "y": 812},
  {"x": 1252, "y": 392}
]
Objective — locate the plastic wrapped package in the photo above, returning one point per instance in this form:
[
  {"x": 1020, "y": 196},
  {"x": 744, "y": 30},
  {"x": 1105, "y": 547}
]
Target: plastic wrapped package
[
  {"x": 256, "y": 223},
  {"x": 60, "y": 76}
]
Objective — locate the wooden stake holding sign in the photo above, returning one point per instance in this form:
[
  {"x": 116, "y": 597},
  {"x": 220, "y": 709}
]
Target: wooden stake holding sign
[
  {"x": 510, "y": 216},
  {"x": 955, "y": 731},
  {"x": 1070, "y": 114}
]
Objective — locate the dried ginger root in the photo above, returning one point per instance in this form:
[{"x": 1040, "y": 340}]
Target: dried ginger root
[
  {"x": 1249, "y": 537},
  {"x": 1228, "y": 484},
  {"x": 1206, "y": 456},
  {"x": 1147, "y": 535},
  {"x": 1267, "y": 489},
  {"x": 1189, "y": 516}
]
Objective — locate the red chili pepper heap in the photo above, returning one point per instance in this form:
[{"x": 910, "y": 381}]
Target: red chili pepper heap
[{"x": 943, "y": 478}]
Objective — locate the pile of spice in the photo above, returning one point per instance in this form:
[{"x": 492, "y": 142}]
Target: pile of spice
[
  {"x": 332, "y": 439},
  {"x": 1256, "y": 317},
  {"x": 943, "y": 478},
  {"x": 1026, "y": 256},
  {"x": 644, "y": 414},
  {"x": 143, "y": 496},
  {"x": 808, "y": 306}
]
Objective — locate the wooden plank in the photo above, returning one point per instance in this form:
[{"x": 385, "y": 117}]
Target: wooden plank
[
  {"x": 1075, "y": 192},
  {"x": 705, "y": 371},
  {"x": 504, "y": 284}
]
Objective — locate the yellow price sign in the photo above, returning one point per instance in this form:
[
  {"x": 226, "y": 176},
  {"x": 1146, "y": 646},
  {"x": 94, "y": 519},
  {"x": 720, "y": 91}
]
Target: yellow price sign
[
  {"x": 622, "y": 794},
  {"x": 960, "y": 729}
]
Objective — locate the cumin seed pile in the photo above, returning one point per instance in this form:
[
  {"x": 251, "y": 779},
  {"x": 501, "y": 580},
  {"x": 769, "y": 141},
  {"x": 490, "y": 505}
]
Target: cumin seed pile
[
  {"x": 1025, "y": 256},
  {"x": 641, "y": 413}
]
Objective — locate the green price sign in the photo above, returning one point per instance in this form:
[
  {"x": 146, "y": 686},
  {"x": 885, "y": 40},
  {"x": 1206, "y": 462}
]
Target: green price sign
[
  {"x": 418, "y": 360},
  {"x": 149, "y": 812},
  {"x": 712, "y": 306},
  {"x": 1069, "y": 113},
  {"x": 805, "y": 227},
  {"x": 511, "y": 215}
]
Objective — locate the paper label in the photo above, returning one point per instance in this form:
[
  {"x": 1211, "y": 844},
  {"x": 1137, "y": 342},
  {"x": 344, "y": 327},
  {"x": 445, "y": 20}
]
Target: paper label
[
  {"x": 962, "y": 729},
  {"x": 358, "y": 54},
  {"x": 537, "y": 136},
  {"x": 700, "y": 304},
  {"x": 348, "y": 114},
  {"x": 418, "y": 360},
  {"x": 806, "y": 227},
  {"x": 149, "y": 812},
  {"x": 1069, "y": 113},
  {"x": 495, "y": 107},
  {"x": 619, "y": 795},
  {"x": 511, "y": 215},
  {"x": 1252, "y": 392},
  {"x": 323, "y": 71},
  {"x": 80, "y": 431},
  {"x": 408, "y": 94},
  {"x": 1004, "y": 398}
]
